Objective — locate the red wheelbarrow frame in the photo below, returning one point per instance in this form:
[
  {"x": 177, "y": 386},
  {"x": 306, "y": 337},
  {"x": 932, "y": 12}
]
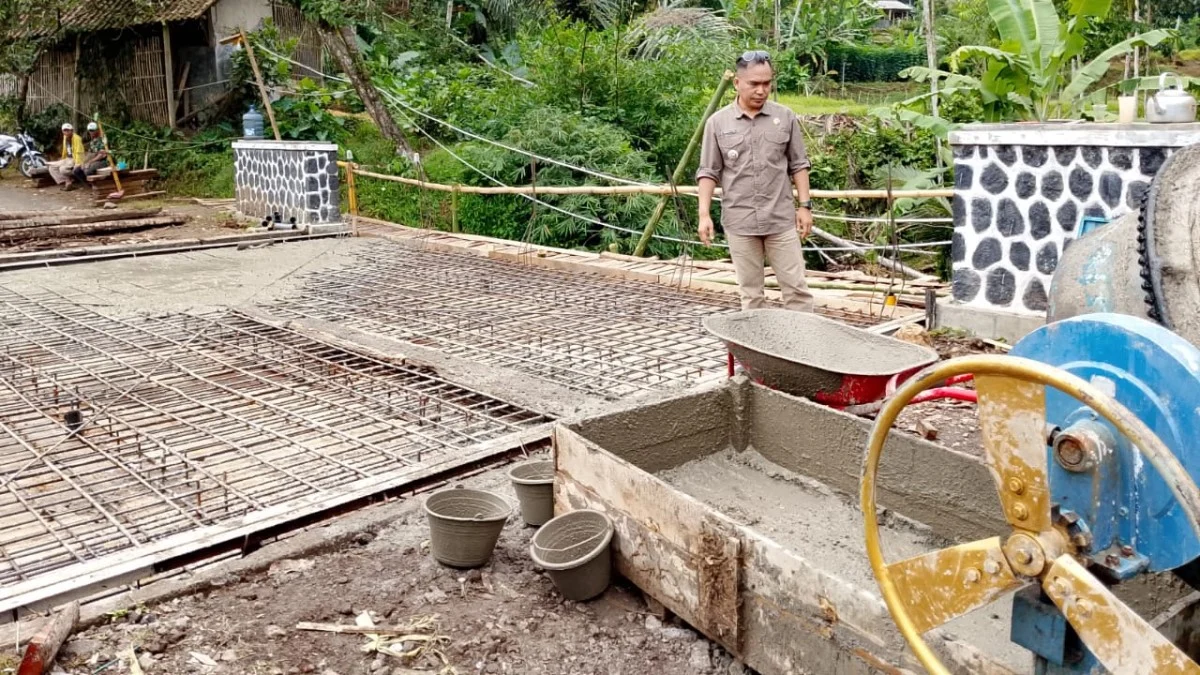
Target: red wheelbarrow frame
[{"x": 865, "y": 394}]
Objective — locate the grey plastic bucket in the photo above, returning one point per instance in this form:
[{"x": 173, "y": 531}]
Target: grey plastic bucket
[
  {"x": 573, "y": 549},
  {"x": 464, "y": 525},
  {"x": 533, "y": 482}
]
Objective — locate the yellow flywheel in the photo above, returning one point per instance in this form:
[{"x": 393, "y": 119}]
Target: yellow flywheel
[{"x": 929, "y": 590}]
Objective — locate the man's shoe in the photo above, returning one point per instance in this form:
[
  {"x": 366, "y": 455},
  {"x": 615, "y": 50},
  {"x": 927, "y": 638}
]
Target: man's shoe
[{"x": 70, "y": 186}]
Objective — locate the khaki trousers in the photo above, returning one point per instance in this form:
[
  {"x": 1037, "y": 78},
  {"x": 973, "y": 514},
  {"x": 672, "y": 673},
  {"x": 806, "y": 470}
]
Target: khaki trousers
[
  {"x": 61, "y": 170},
  {"x": 787, "y": 261}
]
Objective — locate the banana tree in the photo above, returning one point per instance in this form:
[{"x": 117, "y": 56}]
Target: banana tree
[{"x": 1031, "y": 74}]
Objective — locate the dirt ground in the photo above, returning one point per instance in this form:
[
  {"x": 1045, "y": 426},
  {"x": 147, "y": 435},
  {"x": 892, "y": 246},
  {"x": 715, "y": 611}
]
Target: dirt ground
[
  {"x": 957, "y": 424},
  {"x": 953, "y": 424},
  {"x": 503, "y": 618},
  {"x": 204, "y": 221}
]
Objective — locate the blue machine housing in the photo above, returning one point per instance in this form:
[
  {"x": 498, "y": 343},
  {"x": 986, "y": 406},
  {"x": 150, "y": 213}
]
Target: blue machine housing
[
  {"x": 1135, "y": 523},
  {"x": 1124, "y": 501}
]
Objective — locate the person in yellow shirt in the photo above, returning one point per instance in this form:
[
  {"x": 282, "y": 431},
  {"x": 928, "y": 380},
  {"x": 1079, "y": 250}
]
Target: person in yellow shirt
[{"x": 72, "y": 153}]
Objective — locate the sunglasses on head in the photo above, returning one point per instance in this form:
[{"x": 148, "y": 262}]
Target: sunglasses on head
[{"x": 755, "y": 56}]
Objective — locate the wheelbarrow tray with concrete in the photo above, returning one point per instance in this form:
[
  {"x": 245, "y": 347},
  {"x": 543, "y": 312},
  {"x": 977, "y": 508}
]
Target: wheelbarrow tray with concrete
[{"x": 807, "y": 355}]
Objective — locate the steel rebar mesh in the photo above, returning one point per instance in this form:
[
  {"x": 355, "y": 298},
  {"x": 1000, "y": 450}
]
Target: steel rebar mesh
[
  {"x": 245, "y": 417},
  {"x": 598, "y": 335}
]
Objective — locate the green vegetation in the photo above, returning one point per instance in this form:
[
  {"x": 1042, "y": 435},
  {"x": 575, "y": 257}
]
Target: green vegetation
[
  {"x": 617, "y": 87},
  {"x": 873, "y": 63},
  {"x": 1030, "y": 75},
  {"x": 821, "y": 105}
]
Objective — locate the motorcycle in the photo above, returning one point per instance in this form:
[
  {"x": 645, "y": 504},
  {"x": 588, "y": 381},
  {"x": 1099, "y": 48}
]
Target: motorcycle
[{"x": 22, "y": 149}]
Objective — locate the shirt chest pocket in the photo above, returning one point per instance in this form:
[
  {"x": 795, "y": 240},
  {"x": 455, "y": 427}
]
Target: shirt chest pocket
[
  {"x": 735, "y": 151},
  {"x": 775, "y": 145}
]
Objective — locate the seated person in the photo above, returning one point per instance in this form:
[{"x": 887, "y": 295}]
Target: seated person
[
  {"x": 96, "y": 157},
  {"x": 72, "y": 150}
]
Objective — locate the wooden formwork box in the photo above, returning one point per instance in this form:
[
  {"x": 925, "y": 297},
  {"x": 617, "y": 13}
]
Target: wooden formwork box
[{"x": 764, "y": 603}]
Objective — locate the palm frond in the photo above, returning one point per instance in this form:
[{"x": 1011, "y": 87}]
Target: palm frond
[{"x": 673, "y": 24}]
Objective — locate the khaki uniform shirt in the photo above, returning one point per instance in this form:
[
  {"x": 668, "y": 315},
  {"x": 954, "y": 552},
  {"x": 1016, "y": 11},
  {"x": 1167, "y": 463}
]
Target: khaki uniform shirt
[{"x": 753, "y": 160}]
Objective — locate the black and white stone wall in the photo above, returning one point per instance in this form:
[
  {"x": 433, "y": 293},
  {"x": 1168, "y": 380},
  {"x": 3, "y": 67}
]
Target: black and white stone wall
[
  {"x": 1022, "y": 191},
  {"x": 295, "y": 179}
]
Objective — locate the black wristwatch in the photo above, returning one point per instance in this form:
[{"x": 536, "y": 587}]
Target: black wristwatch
[{"x": 806, "y": 204}]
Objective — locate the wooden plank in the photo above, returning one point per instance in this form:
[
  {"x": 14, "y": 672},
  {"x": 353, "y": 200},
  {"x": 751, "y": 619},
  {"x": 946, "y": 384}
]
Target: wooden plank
[
  {"x": 130, "y": 175},
  {"x": 719, "y": 576},
  {"x": 137, "y": 195},
  {"x": 25, "y": 234},
  {"x": 43, "y": 647},
  {"x": 48, "y": 218}
]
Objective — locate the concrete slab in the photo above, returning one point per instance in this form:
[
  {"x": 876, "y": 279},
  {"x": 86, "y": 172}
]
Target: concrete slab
[
  {"x": 986, "y": 323},
  {"x": 196, "y": 280}
]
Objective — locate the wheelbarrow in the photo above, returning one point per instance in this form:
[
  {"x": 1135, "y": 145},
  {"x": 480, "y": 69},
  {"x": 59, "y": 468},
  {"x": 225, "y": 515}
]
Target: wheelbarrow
[{"x": 831, "y": 363}]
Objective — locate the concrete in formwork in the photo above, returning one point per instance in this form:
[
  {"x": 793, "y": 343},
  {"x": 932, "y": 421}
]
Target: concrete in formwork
[{"x": 774, "y": 479}]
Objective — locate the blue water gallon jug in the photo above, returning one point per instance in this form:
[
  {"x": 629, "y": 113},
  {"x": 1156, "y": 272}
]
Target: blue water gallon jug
[{"x": 252, "y": 123}]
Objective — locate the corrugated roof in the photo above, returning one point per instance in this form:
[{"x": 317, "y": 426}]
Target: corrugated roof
[
  {"x": 86, "y": 16},
  {"x": 892, "y": 4}
]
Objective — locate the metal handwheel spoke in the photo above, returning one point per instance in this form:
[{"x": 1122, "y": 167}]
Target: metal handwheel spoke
[
  {"x": 943, "y": 585},
  {"x": 1012, "y": 422},
  {"x": 1012, "y": 413},
  {"x": 1123, "y": 641}
]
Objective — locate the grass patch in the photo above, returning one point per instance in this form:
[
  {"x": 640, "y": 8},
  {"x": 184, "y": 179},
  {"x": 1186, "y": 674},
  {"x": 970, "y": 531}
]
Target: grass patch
[{"x": 820, "y": 105}]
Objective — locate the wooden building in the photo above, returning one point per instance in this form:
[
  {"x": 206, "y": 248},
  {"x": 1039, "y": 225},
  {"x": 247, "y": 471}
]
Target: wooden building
[{"x": 162, "y": 61}]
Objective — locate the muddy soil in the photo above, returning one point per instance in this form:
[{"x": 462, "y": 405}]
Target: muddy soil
[
  {"x": 956, "y": 424},
  {"x": 503, "y": 618}
]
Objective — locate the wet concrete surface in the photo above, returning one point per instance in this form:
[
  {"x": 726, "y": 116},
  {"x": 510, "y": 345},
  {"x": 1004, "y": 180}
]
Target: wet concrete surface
[
  {"x": 186, "y": 282},
  {"x": 825, "y": 528}
]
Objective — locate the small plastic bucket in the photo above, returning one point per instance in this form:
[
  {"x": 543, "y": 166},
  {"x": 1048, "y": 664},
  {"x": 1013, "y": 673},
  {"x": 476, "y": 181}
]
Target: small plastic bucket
[
  {"x": 464, "y": 525},
  {"x": 573, "y": 549},
  {"x": 533, "y": 482}
]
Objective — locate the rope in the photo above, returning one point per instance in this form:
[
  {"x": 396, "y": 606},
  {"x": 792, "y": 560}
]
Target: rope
[
  {"x": 820, "y": 215},
  {"x": 469, "y": 134}
]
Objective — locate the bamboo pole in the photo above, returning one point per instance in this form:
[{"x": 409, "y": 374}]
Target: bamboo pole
[
  {"x": 352, "y": 190},
  {"x": 262, "y": 88},
  {"x": 894, "y": 265},
  {"x": 931, "y": 60},
  {"x": 677, "y": 176},
  {"x": 454, "y": 209},
  {"x": 638, "y": 189},
  {"x": 77, "y": 85},
  {"x": 169, "y": 73}
]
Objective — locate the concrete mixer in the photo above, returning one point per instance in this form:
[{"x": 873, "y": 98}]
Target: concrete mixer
[
  {"x": 1144, "y": 264},
  {"x": 1089, "y": 430}
]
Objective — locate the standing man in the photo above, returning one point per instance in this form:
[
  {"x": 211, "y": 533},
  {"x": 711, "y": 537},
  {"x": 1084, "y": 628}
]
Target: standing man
[
  {"x": 97, "y": 156},
  {"x": 72, "y": 152},
  {"x": 755, "y": 149}
]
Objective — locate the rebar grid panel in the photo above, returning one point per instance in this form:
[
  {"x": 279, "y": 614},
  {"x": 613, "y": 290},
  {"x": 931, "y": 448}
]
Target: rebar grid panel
[
  {"x": 244, "y": 417},
  {"x": 594, "y": 334}
]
